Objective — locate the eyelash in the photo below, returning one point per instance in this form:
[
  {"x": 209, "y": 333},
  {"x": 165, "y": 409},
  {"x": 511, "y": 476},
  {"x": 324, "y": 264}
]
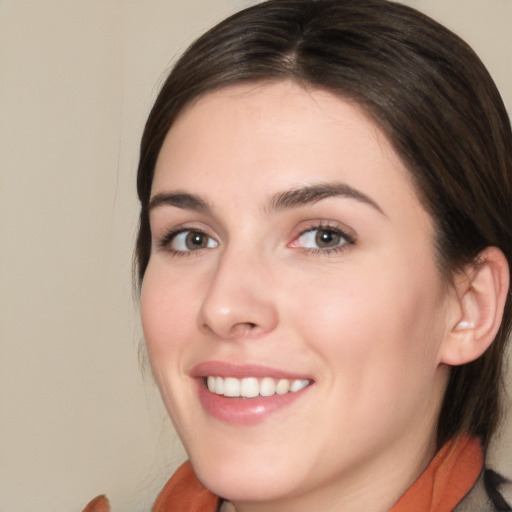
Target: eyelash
[
  {"x": 348, "y": 239},
  {"x": 164, "y": 243}
]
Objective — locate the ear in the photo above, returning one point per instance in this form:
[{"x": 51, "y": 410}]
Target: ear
[{"x": 477, "y": 308}]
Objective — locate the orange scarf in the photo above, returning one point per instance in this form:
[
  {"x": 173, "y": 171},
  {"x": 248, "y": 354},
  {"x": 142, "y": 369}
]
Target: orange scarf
[
  {"x": 185, "y": 493},
  {"x": 448, "y": 478}
]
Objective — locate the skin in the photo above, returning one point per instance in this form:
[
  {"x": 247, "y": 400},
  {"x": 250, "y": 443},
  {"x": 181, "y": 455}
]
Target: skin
[{"x": 367, "y": 322}]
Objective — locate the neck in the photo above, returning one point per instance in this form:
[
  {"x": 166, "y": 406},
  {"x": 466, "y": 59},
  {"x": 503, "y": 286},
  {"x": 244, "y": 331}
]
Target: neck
[{"x": 371, "y": 487}]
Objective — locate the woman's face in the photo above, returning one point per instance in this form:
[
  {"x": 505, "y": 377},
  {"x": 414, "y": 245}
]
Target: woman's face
[{"x": 289, "y": 250}]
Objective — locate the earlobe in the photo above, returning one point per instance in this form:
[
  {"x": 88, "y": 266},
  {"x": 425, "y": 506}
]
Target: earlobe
[{"x": 481, "y": 291}]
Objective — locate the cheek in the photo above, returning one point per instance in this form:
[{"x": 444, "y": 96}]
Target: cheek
[
  {"x": 379, "y": 348},
  {"x": 376, "y": 321},
  {"x": 166, "y": 309}
]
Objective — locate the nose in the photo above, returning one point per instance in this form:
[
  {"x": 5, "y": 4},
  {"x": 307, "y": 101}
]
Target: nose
[{"x": 239, "y": 300}]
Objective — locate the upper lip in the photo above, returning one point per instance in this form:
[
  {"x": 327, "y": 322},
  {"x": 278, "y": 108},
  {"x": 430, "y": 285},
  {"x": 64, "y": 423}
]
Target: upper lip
[{"x": 225, "y": 369}]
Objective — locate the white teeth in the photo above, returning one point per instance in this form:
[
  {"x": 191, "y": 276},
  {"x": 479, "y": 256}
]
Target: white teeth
[
  {"x": 219, "y": 385},
  {"x": 250, "y": 387},
  {"x": 297, "y": 385},
  {"x": 231, "y": 386},
  {"x": 267, "y": 387},
  {"x": 283, "y": 386}
]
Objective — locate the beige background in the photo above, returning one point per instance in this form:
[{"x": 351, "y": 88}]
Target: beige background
[{"x": 77, "y": 78}]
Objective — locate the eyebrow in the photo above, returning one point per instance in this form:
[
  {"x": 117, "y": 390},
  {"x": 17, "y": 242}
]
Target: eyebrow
[
  {"x": 182, "y": 200},
  {"x": 288, "y": 199},
  {"x": 313, "y": 193}
]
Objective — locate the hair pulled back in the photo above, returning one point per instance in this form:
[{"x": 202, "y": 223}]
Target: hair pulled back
[{"x": 427, "y": 91}]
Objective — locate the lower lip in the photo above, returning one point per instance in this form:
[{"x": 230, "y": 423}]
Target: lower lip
[{"x": 244, "y": 411}]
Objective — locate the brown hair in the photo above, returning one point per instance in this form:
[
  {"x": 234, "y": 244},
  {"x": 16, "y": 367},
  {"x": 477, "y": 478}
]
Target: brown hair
[{"x": 428, "y": 92}]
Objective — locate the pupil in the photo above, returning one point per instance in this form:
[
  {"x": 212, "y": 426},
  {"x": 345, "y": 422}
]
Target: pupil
[
  {"x": 195, "y": 241},
  {"x": 327, "y": 238}
]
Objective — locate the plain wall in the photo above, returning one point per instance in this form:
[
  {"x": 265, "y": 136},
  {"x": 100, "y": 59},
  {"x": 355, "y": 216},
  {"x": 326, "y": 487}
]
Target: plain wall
[{"x": 77, "y": 78}]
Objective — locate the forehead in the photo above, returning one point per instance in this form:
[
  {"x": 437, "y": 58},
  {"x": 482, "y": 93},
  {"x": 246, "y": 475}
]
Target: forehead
[{"x": 271, "y": 136}]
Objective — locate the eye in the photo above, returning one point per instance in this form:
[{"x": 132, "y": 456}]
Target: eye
[
  {"x": 322, "y": 239},
  {"x": 188, "y": 240}
]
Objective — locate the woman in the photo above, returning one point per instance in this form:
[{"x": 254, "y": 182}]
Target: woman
[{"x": 324, "y": 254}]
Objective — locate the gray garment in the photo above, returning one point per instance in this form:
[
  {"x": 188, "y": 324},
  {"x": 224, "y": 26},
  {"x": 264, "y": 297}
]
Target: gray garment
[{"x": 491, "y": 493}]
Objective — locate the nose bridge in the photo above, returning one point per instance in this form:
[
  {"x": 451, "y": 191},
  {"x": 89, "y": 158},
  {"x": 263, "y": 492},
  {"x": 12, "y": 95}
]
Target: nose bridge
[{"x": 238, "y": 301}]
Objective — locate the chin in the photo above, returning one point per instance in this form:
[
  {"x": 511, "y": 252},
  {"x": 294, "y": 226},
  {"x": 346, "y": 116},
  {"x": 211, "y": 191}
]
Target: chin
[{"x": 238, "y": 481}]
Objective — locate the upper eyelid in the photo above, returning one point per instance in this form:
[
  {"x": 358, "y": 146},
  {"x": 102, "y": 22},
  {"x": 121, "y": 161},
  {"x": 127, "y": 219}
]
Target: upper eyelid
[
  {"x": 170, "y": 234},
  {"x": 176, "y": 227},
  {"x": 160, "y": 221},
  {"x": 340, "y": 227},
  {"x": 348, "y": 240}
]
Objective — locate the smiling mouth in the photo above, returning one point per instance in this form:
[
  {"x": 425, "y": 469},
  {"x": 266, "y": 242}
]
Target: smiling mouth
[{"x": 252, "y": 387}]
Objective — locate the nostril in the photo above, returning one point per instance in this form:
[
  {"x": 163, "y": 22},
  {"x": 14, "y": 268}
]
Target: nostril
[
  {"x": 242, "y": 326},
  {"x": 239, "y": 329}
]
